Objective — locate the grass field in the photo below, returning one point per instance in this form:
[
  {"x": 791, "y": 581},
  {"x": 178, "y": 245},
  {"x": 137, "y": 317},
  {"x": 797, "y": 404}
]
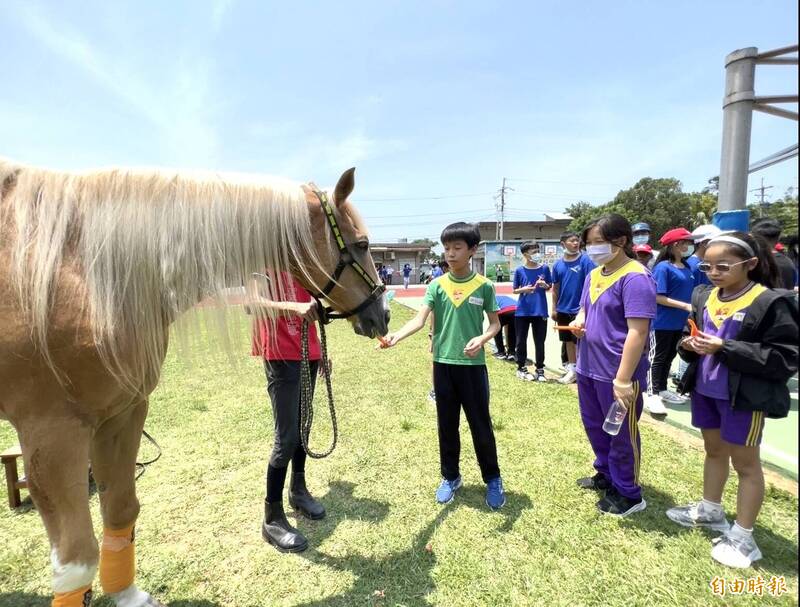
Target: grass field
[{"x": 385, "y": 541}]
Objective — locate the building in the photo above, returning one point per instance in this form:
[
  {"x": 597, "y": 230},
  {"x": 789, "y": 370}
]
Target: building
[
  {"x": 504, "y": 255},
  {"x": 549, "y": 227},
  {"x": 397, "y": 254}
]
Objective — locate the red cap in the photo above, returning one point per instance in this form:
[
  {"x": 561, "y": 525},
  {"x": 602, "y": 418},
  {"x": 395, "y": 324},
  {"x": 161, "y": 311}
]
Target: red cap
[
  {"x": 643, "y": 248},
  {"x": 674, "y": 235}
]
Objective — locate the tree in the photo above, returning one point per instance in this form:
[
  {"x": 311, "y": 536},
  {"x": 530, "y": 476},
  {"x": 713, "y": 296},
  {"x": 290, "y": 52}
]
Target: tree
[
  {"x": 429, "y": 254},
  {"x": 661, "y": 203},
  {"x": 784, "y": 210}
]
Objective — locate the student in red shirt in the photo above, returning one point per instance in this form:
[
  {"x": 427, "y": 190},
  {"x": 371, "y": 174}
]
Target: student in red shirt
[{"x": 277, "y": 341}]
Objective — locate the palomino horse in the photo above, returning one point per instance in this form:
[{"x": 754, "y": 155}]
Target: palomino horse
[{"x": 93, "y": 270}]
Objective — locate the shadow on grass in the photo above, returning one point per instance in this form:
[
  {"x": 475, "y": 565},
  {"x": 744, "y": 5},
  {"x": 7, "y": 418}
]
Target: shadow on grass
[
  {"x": 780, "y": 553},
  {"x": 404, "y": 577}
]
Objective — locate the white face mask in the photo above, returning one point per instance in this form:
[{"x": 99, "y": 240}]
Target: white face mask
[
  {"x": 600, "y": 253},
  {"x": 536, "y": 258}
]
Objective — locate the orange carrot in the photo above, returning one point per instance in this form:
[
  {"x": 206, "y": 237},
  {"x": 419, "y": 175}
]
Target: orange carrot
[{"x": 694, "y": 331}]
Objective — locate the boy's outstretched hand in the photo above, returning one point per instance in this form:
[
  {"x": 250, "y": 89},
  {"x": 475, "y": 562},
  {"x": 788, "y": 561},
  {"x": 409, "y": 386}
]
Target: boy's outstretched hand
[
  {"x": 473, "y": 346},
  {"x": 387, "y": 342}
]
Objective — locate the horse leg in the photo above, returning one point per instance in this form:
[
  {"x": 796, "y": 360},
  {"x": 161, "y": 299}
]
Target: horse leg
[
  {"x": 56, "y": 455},
  {"x": 114, "y": 449}
]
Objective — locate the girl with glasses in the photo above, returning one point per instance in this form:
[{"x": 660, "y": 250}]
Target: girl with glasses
[{"x": 740, "y": 357}]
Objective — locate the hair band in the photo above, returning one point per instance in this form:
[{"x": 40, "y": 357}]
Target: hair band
[{"x": 733, "y": 240}]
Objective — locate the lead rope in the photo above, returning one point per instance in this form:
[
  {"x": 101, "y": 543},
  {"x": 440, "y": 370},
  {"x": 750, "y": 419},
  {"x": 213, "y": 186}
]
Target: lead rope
[{"x": 307, "y": 392}]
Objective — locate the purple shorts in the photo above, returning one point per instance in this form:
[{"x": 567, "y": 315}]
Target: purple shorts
[{"x": 736, "y": 427}]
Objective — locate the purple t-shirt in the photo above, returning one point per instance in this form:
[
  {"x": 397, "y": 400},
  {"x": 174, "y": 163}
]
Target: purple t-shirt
[
  {"x": 608, "y": 301},
  {"x": 722, "y": 319}
]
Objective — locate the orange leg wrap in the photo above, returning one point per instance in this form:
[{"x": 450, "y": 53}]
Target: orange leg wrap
[
  {"x": 117, "y": 559},
  {"x": 82, "y": 597}
]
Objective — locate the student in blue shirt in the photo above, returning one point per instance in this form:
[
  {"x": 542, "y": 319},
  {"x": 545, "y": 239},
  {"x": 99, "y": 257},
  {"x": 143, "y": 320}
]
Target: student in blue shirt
[
  {"x": 531, "y": 282},
  {"x": 674, "y": 286},
  {"x": 569, "y": 274}
]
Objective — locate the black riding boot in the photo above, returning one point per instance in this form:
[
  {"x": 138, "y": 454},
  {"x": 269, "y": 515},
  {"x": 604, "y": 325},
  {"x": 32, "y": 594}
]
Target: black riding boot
[
  {"x": 300, "y": 499},
  {"x": 277, "y": 531}
]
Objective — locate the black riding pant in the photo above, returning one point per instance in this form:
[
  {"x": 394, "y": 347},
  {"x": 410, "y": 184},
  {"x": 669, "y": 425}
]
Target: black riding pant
[{"x": 283, "y": 386}]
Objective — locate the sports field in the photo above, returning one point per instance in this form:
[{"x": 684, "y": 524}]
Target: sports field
[{"x": 385, "y": 541}]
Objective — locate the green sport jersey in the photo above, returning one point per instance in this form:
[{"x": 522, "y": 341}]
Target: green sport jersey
[{"x": 458, "y": 305}]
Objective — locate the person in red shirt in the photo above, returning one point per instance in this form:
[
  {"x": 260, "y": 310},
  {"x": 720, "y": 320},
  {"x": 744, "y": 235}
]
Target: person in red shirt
[{"x": 277, "y": 341}]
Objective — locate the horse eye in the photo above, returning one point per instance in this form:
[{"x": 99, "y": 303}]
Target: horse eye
[{"x": 363, "y": 245}]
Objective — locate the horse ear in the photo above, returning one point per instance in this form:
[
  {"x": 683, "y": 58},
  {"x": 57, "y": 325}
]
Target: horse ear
[{"x": 345, "y": 186}]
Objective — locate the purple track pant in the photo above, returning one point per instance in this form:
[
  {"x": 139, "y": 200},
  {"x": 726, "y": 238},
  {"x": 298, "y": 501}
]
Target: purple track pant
[{"x": 616, "y": 457}]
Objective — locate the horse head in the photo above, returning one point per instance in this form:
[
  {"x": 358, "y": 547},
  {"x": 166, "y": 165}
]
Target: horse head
[{"x": 344, "y": 272}]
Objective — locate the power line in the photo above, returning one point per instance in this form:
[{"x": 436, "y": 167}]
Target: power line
[
  {"x": 461, "y": 212},
  {"x": 443, "y": 197}
]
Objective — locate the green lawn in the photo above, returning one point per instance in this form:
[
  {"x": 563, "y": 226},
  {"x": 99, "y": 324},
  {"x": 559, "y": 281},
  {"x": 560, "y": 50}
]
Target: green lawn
[{"x": 385, "y": 541}]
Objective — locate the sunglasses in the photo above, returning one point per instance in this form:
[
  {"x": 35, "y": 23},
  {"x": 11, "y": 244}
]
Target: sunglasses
[{"x": 705, "y": 268}]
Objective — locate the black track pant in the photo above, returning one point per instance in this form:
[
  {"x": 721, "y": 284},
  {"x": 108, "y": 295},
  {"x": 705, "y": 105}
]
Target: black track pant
[
  {"x": 539, "y": 325},
  {"x": 467, "y": 387},
  {"x": 506, "y": 320},
  {"x": 666, "y": 350}
]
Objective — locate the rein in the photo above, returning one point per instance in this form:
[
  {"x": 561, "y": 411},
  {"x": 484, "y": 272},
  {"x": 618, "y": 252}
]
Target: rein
[
  {"x": 307, "y": 392},
  {"x": 326, "y": 315}
]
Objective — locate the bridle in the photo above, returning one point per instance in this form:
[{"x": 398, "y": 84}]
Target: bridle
[{"x": 346, "y": 259}]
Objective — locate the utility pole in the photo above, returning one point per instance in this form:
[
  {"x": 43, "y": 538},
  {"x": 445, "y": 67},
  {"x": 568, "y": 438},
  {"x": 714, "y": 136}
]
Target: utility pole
[
  {"x": 501, "y": 208},
  {"x": 762, "y": 202}
]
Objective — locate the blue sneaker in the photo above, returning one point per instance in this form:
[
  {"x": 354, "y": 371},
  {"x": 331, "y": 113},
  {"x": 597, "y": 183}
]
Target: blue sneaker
[
  {"x": 495, "y": 496},
  {"x": 447, "y": 490}
]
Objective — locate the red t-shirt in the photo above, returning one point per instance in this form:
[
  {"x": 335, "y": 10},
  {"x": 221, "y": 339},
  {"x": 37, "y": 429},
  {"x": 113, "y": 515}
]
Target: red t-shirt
[{"x": 285, "y": 344}]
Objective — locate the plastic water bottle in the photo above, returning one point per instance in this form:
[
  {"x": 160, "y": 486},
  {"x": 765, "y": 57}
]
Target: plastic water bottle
[{"x": 613, "y": 422}]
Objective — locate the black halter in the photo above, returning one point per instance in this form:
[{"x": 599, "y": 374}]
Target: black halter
[{"x": 345, "y": 259}]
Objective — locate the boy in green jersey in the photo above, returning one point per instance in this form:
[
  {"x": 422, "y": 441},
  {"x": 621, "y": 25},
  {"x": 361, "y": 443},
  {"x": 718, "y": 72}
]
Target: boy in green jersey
[{"x": 458, "y": 301}]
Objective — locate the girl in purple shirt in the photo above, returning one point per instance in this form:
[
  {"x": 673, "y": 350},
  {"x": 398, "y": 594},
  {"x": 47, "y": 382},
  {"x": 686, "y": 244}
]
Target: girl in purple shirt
[
  {"x": 613, "y": 327},
  {"x": 741, "y": 355}
]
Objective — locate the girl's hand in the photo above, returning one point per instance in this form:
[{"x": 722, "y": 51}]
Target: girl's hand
[
  {"x": 623, "y": 392},
  {"x": 321, "y": 368},
  {"x": 580, "y": 328},
  {"x": 473, "y": 346},
  {"x": 688, "y": 308},
  {"x": 689, "y": 345},
  {"x": 306, "y": 311},
  {"x": 707, "y": 344}
]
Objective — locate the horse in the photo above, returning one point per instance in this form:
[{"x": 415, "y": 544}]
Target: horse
[{"x": 95, "y": 268}]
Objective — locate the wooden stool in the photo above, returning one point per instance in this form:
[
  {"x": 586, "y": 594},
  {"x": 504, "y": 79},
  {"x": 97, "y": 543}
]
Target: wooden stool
[{"x": 13, "y": 482}]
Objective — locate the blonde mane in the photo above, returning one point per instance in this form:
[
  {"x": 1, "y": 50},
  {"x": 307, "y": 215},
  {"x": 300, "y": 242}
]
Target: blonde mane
[{"x": 150, "y": 244}]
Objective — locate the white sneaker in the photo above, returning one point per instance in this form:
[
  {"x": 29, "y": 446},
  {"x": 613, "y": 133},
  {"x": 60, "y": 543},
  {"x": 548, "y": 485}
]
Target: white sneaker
[
  {"x": 735, "y": 551},
  {"x": 654, "y": 404},
  {"x": 525, "y": 375},
  {"x": 540, "y": 375},
  {"x": 672, "y": 398},
  {"x": 695, "y": 515},
  {"x": 570, "y": 377}
]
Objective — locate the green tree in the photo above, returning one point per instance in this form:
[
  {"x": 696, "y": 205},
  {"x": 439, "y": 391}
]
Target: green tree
[
  {"x": 429, "y": 254},
  {"x": 784, "y": 210},
  {"x": 661, "y": 203}
]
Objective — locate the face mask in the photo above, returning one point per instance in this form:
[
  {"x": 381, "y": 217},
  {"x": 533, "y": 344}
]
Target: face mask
[
  {"x": 641, "y": 239},
  {"x": 600, "y": 253},
  {"x": 536, "y": 258},
  {"x": 688, "y": 252}
]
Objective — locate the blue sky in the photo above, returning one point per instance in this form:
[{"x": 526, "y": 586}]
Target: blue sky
[{"x": 572, "y": 100}]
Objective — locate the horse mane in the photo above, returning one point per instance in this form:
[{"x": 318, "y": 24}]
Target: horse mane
[{"x": 149, "y": 244}]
